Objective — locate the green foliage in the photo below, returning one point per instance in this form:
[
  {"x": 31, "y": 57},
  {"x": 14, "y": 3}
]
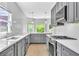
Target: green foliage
[{"x": 40, "y": 27}]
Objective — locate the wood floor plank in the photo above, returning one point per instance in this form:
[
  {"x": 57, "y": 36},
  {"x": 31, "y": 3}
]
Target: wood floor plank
[{"x": 37, "y": 50}]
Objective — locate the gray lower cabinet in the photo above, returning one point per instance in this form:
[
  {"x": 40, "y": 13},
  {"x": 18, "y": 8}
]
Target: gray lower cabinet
[
  {"x": 64, "y": 51},
  {"x": 59, "y": 49},
  {"x": 38, "y": 38},
  {"x": 20, "y": 48},
  {"x": 23, "y": 47},
  {"x": 8, "y": 52},
  {"x": 27, "y": 41},
  {"x": 67, "y": 52}
]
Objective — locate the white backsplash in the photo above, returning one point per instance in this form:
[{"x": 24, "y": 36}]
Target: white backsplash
[{"x": 71, "y": 30}]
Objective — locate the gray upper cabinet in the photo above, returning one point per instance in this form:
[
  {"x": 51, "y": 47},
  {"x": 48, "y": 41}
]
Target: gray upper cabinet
[
  {"x": 58, "y": 6},
  {"x": 53, "y": 16},
  {"x": 71, "y": 12},
  {"x": 77, "y": 11}
]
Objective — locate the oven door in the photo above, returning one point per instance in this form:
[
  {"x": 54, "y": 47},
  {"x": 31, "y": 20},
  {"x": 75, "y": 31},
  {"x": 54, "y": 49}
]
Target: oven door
[{"x": 52, "y": 48}]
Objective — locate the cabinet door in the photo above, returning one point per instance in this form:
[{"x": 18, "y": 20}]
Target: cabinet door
[
  {"x": 53, "y": 16},
  {"x": 38, "y": 38},
  {"x": 23, "y": 46},
  {"x": 65, "y": 51},
  {"x": 68, "y": 52},
  {"x": 59, "y": 51},
  {"x": 43, "y": 38},
  {"x": 77, "y": 11},
  {"x": 8, "y": 52},
  {"x": 35, "y": 38},
  {"x": 19, "y": 48},
  {"x": 71, "y": 11}
]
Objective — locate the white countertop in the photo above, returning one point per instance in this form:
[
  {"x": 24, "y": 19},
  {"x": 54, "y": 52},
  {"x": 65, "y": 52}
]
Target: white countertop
[
  {"x": 41, "y": 33},
  {"x": 71, "y": 44},
  {"x": 4, "y": 44}
]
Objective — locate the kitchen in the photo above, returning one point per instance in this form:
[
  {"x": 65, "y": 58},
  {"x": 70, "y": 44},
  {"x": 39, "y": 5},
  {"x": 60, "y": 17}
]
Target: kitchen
[{"x": 27, "y": 28}]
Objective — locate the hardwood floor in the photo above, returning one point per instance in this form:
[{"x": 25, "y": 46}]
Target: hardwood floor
[{"x": 37, "y": 50}]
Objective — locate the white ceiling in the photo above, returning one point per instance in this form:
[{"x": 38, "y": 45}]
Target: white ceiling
[{"x": 36, "y": 9}]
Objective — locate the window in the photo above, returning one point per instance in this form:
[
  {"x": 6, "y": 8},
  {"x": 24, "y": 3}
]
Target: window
[
  {"x": 30, "y": 27},
  {"x": 5, "y": 21},
  {"x": 40, "y": 27}
]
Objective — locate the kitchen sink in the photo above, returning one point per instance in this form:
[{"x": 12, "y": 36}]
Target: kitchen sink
[
  {"x": 13, "y": 38},
  {"x": 63, "y": 37}
]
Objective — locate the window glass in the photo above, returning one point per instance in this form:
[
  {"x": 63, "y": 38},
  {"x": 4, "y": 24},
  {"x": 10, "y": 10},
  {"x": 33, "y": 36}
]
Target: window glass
[
  {"x": 4, "y": 17},
  {"x": 40, "y": 27},
  {"x": 30, "y": 27}
]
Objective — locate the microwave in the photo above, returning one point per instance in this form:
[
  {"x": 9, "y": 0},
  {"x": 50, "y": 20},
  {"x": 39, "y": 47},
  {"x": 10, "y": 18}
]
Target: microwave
[{"x": 61, "y": 16}]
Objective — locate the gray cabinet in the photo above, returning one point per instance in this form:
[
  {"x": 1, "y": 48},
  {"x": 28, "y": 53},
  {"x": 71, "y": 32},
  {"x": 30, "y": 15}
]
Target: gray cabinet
[
  {"x": 71, "y": 11},
  {"x": 38, "y": 38},
  {"x": 54, "y": 10},
  {"x": 67, "y": 52},
  {"x": 53, "y": 16},
  {"x": 23, "y": 47},
  {"x": 59, "y": 49},
  {"x": 77, "y": 11},
  {"x": 64, "y": 51},
  {"x": 8, "y": 52},
  {"x": 20, "y": 48},
  {"x": 27, "y": 43}
]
